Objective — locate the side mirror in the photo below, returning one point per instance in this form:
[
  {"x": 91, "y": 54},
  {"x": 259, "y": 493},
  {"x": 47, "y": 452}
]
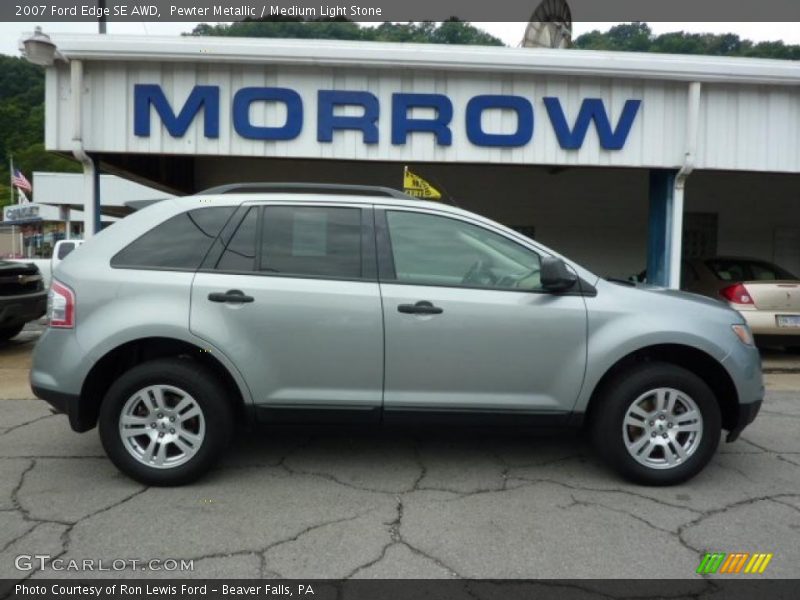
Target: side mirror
[{"x": 555, "y": 276}]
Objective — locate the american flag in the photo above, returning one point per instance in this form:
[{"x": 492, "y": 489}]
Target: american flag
[{"x": 19, "y": 180}]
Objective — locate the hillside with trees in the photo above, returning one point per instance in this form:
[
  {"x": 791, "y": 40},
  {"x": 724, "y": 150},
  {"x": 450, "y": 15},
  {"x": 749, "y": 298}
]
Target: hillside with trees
[{"x": 22, "y": 123}]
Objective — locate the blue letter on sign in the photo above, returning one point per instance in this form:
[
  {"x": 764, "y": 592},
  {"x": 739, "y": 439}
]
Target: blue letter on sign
[
  {"x": 367, "y": 123},
  {"x": 402, "y": 125},
  {"x": 518, "y": 104},
  {"x": 241, "y": 113},
  {"x": 592, "y": 109},
  {"x": 202, "y": 96}
]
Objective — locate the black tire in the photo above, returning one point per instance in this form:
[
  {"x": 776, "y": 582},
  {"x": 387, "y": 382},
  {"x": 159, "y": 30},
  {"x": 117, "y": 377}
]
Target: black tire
[
  {"x": 618, "y": 396},
  {"x": 6, "y": 333},
  {"x": 190, "y": 377}
]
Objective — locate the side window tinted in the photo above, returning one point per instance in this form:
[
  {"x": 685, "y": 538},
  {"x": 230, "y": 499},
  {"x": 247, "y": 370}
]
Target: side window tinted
[
  {"x": 434, "y": 250},
  {"x": 180, "y": 242},
  {"x": 240, "y": 253},
  {"x": 312, "y": 241}
]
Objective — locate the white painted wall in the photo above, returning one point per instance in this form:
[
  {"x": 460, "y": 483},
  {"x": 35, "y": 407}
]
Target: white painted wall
[{"x": 742, "y": 126}]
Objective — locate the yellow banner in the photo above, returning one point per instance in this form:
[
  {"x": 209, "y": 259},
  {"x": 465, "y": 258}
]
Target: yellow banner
[{"x": 416, "y": 186}]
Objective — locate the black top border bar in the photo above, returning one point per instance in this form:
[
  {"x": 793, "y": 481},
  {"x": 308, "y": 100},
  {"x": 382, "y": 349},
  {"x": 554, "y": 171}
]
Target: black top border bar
[{"x": 391, "y": 10}]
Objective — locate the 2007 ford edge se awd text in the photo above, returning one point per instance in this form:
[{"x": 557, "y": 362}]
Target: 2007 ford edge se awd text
[{"x": 255, "y": 302}]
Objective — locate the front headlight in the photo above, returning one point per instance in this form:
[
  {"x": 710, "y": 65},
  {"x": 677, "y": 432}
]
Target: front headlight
[{"x": 744, "y": 334}]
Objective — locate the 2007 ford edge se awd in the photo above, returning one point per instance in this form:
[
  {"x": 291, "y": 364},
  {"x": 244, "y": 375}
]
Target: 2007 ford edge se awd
[{"x": 260, "y": 302}]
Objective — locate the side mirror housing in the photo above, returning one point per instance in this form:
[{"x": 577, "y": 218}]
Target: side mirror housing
[{"x": 555, "y": 275}]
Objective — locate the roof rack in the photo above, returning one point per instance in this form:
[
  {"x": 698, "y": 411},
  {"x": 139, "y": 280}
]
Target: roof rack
[{"x": 314, "y": 188}]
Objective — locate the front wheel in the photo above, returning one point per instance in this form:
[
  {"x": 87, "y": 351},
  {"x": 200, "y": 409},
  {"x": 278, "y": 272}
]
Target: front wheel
[
  {"x": 657, "y": 424},
  {"x": 165, "y": 422}
]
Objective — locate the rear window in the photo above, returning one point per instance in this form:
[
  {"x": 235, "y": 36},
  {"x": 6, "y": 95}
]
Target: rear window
[
  {"x": 180, "y": 242},
  {"x": 747, "y": 270}
]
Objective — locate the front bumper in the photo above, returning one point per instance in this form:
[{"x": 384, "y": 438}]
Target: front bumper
[
  {"x": 747, "y": 414},
  {"x": 23, "y": 308}
]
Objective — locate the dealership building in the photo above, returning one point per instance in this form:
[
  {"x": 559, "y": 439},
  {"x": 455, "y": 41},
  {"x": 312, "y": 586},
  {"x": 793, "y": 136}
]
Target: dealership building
[{"x": 621, "y": 161}]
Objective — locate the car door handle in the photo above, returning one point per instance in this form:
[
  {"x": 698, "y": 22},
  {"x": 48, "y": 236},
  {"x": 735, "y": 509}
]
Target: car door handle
[
  {"x": 233, "y": 296},
  {"x": 423, "y": 307}
]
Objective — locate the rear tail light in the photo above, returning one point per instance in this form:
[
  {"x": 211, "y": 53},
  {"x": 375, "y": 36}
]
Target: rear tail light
[
  {"x": 61, "y": 306},
  {"x": 737, "y": 294}
]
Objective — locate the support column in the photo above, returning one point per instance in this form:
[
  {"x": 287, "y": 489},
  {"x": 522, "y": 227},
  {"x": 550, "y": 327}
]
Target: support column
[
  {"x": 97, "y": 215},
  {"x": 661, "y": 227}
]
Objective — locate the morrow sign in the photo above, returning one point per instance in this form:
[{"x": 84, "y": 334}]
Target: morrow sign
[{"x": 570, "y": 130}]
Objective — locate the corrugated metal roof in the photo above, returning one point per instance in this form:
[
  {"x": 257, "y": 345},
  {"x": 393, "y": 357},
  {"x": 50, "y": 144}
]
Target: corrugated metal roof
[{"x": 427, "y": 56}]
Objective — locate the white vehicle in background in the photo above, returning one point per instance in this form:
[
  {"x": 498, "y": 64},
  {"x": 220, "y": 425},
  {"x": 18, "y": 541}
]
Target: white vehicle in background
[{"x": 48, "y": 265}]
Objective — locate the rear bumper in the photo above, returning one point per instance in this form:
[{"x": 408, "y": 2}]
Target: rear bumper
[
  {"x": 22, "y": 308},
  {"x": 763, "y": 323},
  {"x": 747, "y": 414},
  {"x": 68, "y": 404}
]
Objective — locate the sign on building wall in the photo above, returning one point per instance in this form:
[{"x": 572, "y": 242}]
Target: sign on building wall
[
  {"x": 150, "y": 103},
  {"x": 20, "y": 212}
]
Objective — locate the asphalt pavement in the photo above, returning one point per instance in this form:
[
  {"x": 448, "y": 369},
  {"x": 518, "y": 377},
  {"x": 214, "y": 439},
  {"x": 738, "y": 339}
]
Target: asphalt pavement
[{"x": 367, "y": 504}]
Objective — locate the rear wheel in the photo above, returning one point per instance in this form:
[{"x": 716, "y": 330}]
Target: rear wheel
[
  {"x": 165, "y": 422},
  {"x": 6, "y": 333},
  {"x": 657, "y": 424}
]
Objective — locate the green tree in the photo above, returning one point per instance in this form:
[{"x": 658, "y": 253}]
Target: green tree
[
  {"x": 22, "y": 123},
  {"x": 638, "y": 37},
  {"x": 451, "y": 31}
]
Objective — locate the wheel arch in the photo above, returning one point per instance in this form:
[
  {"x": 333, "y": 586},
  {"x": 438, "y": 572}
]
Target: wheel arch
[
  {"x": 692, "y": 359},
  {"x": 131, "y": 353}
]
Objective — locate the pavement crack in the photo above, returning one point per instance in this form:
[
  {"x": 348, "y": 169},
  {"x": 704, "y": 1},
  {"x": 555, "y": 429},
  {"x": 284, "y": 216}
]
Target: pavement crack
[
  {"x": 26, "y": 423},
  {"x": 580, "y": 488}
]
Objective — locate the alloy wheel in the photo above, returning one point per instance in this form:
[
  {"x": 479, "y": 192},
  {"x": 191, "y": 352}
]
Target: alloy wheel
[{"x": 162, "y": 426}]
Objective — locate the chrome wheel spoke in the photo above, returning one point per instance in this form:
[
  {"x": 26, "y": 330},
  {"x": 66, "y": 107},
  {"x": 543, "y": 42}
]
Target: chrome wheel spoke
[
  {"x": 185, "y": 402},
  {"x": 689, "y": 427},
  {"x": 661, "y": 400},
  {"x": 670, "y": 405},
  {"x": 134, "y": 421},
  {"x": 669, "y": 454},
  {"x": 636, "y": 447},
  {"x": 189, "y": 414},
  {"x": 187, "y": 436},
  {"x": 161, "y": 455},
  {"x": 679, "y": 450},
  {"x": 631, "y": 422},
  {"x": 151, "y": 447}
]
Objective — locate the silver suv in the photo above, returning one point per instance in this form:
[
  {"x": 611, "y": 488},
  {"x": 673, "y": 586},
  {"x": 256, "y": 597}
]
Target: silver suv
[{"x": 269, "y": 303}]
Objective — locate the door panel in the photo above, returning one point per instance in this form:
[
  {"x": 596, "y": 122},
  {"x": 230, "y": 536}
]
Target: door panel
[
  {"x": 486, "y": 350},
  {"x": 467, "y": 325},
  {"x": 301, "y": 341},
  {"x": 308, "y": 332}
]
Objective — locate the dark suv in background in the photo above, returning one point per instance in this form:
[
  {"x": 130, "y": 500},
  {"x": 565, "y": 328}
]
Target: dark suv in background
[{"x": 23, "y": 297}]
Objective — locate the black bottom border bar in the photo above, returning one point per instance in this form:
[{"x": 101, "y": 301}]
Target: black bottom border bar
[{"x": 732, "y": 588}]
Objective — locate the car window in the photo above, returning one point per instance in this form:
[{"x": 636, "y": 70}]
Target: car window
[
  {"x": 64, "y": 250},
  {"x": 729, "y": 269},
  {"x": 435, "y": 250},
  {"x": 240, "y": 253},
  {"x": 312, "y": 241},
  {"x": 180, "y": 242}
]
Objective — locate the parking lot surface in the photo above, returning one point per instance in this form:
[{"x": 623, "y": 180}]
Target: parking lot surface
[{"x": 393, "y": 504}]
